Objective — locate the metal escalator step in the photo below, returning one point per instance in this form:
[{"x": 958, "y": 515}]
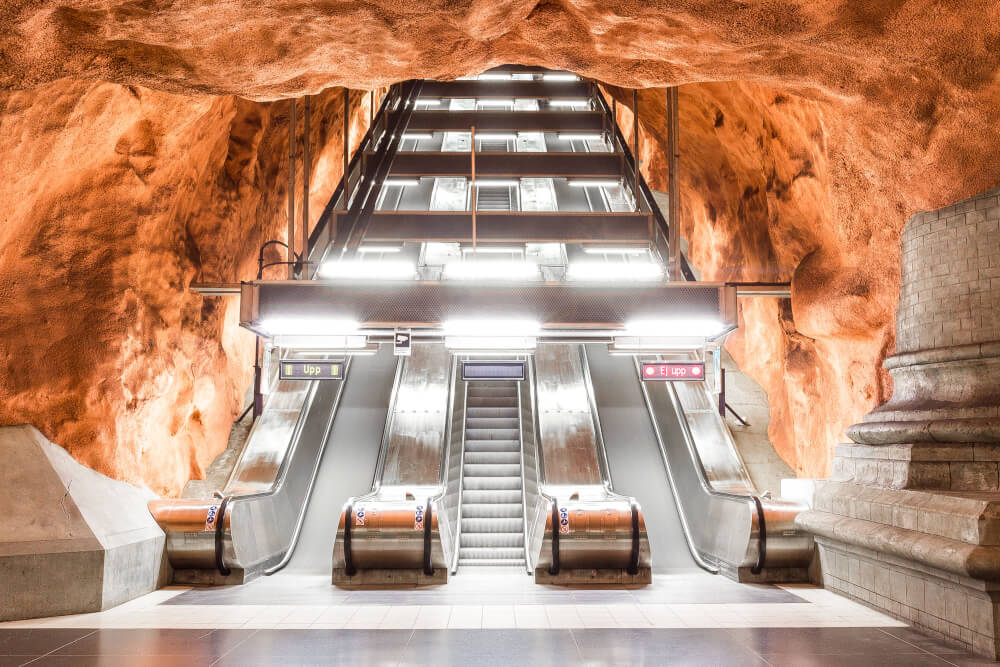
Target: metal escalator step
[
  {"x": 492, "y": 525},
  {"x": 502, "y": 473},
  {"x": 492, "y": 433},
  {"x": 491, "y": 402},
  {"x": 493, "y": 562},
  {"x": 494, "y": 485},
  {"x": 476, "y": 510},
  {"x": 492, "y": 445},
  {"x": 481, "y": 389},
  {"x": 492, "y": 411},
  {"x": 483, "y": 552},
  {"x": 492, "y": 423},
  {"x": 491, "y": 540},
  {"x": 508, "y": 457}
]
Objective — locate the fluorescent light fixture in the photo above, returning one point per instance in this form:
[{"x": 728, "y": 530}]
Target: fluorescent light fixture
[
  {"x": 370, "y": 270},
  {"x": 491, "y": 249},
  {"x": 424, "y": 102},
  {"x": 496, "y": 136},
  {"x": 503, "y": 327},
  {"x": 594, "y": 184},
  {"x": 495, "y": 183},
  {"x": 596, "y": 270},
  {"x": 702, "y": 327},
  {"x": 401, "y": 181},
  {"x": 308, "y": 325},
  {"x": 494, "y": 76},
  {"x": 333, "y": 342},
  {"x": 633, "y": 345},
  {"x": 560, "y": 77},
  {"x": 495, "y": 103},
  {"x": 417, "y": 135},
  {"x": 380, "y": 248},
  {"x": 613, "y": 250},
  {"x": 572, "y": 104},
  {"x": 490, "y": 343},
  {"x": 490, "y": 270},
  {"x": 565, "y": 136}
]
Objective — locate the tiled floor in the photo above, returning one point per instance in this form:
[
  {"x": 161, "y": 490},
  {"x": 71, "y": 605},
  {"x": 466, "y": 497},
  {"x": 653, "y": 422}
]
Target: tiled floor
[{"x": 691, "y": 619}]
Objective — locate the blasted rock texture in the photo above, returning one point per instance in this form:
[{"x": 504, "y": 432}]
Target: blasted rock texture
[
  {"x": 115, "y": 198},
  {"x": 846, "y": 118}
]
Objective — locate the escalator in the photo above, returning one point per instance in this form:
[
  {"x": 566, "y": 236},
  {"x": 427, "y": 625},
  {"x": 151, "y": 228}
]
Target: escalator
[{"x": 492, "y": 511}]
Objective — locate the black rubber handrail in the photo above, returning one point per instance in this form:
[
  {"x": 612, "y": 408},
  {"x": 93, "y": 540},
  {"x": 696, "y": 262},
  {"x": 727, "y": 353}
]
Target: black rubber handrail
[
  {"x": 428, "y": 517},
  {"x": 633, "y": 561},
  {"x": 554, "y": 566},
  {"x": 220, "y": 536},
  {"x": 761, "y": 539},
  {"x": 349, "y": 568}
]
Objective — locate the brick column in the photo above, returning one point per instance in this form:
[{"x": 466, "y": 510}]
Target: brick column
[
  {"x": 942, "y": 424},
  {"x": 910, "y": 521}
]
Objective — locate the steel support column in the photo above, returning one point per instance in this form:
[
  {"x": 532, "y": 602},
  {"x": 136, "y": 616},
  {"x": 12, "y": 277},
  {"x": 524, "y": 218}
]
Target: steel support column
[
  {"x": 291, "y": 189},
  {"x": 673, "y": 216}
]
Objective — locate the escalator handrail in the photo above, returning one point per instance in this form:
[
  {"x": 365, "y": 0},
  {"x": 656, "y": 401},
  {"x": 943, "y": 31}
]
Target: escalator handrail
[
  {"x": 662, "y": 224},
  {"x": 701, "y": 476},
  {"x": 363, "y": 147},
  {"x": 220, "y": 537}
]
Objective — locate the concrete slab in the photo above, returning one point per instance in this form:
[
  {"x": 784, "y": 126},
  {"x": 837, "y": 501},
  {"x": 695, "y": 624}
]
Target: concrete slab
[{"x": 71, "y": 539}]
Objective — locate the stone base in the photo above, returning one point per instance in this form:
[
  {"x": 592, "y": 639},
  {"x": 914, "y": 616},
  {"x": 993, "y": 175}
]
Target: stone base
[
  {"x": 931, "y": 559},
  {"x": 596, "y": 577},
  {"x": 72, "y": 541},
  {"x": 959, "y": 610},
  {"x": 943, "y": 466},
  {"x": 389, "y": 578},
  {"x": 769, "y": 575}
]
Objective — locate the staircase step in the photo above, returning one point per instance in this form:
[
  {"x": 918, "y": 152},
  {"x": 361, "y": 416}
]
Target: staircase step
[
  {"x": 492, "y": 484},
  {"x": 492, "y": 446},
  {"x": 492, "y": 470},
  {"x": 491, "y": 402},
  {"x": 492, "y": 412},
  {"x": 494, "y": 457},
  {"x": 491, "y": 540},
  {"x": 492, "y": 525},
  {"x": 492, "y": 433},
  {"x": 492, "y": 423},
  {"x": 484, "y": 552},
  {"x": 492, "y": 511},
  {"x": 494, "y": 562}
]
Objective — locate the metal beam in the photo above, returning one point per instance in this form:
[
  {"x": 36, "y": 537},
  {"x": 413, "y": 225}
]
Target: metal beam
[
  {"x": 510, "y": 227},
  {"x": 412, "y": 164},
  {"x": 506, "y": 89},
  {"x": 673, "y": 192},
  {"x": 492, "y": 121},
  {"x": 557, "y": 307}
]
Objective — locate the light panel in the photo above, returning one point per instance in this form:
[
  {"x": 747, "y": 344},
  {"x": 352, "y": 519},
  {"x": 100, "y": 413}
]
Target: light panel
[{"x": 368, "y": 270}]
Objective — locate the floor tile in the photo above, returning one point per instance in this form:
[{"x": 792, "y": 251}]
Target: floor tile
[{"x": 38, "y": 641}]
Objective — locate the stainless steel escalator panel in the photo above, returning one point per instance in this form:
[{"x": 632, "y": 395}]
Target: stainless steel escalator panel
[
  {"x": 384, "y": 537},
  {"x": 717, "y": 501},
  {"x": 566, "y": 425},
  {"x": 582, "y": 532},
  {"x": 417, "y": 434}
]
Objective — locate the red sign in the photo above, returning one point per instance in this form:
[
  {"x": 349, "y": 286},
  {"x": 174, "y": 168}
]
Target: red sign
[{"x": 673, "y": 370}]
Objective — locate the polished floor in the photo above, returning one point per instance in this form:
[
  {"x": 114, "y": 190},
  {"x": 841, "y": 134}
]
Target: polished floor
[{"x": 483, "y": 619}]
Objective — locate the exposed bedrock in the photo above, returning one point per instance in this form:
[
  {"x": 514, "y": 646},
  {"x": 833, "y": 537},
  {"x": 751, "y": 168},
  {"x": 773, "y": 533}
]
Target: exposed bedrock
[
  {"x": 842, "y": 123},
  {"x": 115, "y": 199}
]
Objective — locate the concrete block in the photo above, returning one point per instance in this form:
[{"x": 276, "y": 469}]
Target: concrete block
[
  {"x": 72, "y": 540},
  {"x": 981, "y": 476}
]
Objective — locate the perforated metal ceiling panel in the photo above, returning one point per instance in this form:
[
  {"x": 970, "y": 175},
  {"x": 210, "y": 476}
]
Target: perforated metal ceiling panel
[{"x": 427, "y": 304}]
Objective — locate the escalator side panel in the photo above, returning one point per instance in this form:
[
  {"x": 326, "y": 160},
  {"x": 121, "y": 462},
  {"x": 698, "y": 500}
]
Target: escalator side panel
[
  {"x": 634, "y": 456},
  {"x": 349, "y": 459}
]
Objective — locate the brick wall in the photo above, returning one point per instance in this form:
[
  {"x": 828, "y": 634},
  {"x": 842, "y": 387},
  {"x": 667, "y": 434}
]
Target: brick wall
[{"x": 951, "y": 276}]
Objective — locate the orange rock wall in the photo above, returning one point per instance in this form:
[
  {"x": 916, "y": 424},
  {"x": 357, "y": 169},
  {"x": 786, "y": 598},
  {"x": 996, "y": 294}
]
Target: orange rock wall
[
  {"x": 116, "y": 198},
  {"x": 847, "y": 118}
]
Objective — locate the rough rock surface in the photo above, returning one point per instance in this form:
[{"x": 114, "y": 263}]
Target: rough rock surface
[
  {"x": 848, "y": 118},
  {"x": 116, "y": 198}
]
